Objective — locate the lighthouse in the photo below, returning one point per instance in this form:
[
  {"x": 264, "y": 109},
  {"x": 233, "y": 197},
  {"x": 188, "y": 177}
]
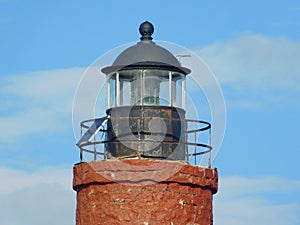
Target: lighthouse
[{"x": 143, "y": 171}]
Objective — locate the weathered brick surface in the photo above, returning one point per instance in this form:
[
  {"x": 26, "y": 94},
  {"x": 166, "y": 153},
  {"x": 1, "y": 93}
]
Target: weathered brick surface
[{"x": 143, "y": 192}]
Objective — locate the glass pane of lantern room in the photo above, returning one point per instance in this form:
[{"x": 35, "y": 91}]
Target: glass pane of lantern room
[
  {"x": 125, "y": 79},
  {"x": 156, "y": 88},
  {"x": 112, "y": 89},
  {"x": 151, "y": 87},
  {"x": 135, "y": 77},
  {"x": 165, "y": 90},
  {"x": 177, "y": 89}
]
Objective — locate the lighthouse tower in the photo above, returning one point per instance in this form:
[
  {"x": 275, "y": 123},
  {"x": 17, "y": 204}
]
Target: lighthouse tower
[{"x": 142, "y": 173}]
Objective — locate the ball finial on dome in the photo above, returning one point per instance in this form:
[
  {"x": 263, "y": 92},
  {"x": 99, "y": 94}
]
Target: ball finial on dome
[{"x": 146, "y": 30}]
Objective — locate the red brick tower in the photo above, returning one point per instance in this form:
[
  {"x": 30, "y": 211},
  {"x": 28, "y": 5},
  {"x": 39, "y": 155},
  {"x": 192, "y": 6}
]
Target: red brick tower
[{"x": 143, "y": 175}]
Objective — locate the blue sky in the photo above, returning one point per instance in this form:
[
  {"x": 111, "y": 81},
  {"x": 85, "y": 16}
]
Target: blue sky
[{"x": 253, "y": 47}]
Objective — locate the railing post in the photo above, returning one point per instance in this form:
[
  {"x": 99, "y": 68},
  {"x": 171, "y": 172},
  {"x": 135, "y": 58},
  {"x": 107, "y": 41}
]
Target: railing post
[{"x": 209, "y": 157}]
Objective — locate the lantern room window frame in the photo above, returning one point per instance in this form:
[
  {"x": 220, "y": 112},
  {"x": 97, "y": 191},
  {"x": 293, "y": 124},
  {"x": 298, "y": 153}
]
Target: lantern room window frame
[{"x": 132, "y": 87}]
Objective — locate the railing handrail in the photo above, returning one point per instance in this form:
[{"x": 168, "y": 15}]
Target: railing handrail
[{"x": 208, "y": 148}]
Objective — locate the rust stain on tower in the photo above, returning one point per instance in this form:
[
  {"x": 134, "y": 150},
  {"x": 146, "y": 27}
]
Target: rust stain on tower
[{"x": 141, "y": 174}]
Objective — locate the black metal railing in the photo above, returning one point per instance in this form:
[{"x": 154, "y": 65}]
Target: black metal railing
[{"x": 93, "y": 143}]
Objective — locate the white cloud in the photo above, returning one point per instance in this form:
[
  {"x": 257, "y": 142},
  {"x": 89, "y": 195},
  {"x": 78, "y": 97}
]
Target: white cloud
[
  {"x": 36, "y": 102},
  {"x": 16, "y": 180},
  {"x": 263, "y": 67},
  {"x": 39, "y": 102},
  {"x": 243, "y": 201},
  {"x": 35, "y": 198},
  {"x": 261, "y": 61}
]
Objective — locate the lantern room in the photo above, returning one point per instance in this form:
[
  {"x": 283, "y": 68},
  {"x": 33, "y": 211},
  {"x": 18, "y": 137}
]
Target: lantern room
[{"x": 146, "y": 99}]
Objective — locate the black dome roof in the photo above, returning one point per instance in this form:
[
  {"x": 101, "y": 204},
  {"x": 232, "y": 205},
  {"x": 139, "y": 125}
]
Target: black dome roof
[{"x": 146, "y": 54}]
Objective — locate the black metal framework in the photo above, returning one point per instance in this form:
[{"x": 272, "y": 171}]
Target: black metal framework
[{"x": 97, "y": 146}]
